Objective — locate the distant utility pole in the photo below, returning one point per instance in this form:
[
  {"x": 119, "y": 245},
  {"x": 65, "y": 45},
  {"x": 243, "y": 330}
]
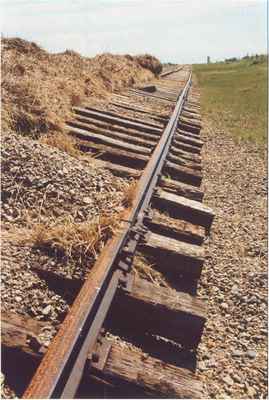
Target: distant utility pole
[{"x": 208, "y": 60}]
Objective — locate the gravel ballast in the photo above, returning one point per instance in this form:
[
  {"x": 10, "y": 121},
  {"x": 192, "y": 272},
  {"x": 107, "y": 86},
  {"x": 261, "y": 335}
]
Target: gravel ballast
[
  {"x": 41, "y": 184},
  {"x": 233, "y": 353}
]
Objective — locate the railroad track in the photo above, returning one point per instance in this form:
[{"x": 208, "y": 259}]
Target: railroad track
[{"x": 151, "y": 134}]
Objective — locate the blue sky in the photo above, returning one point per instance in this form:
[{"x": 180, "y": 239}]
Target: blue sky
[{"x": 181, "y": 31}]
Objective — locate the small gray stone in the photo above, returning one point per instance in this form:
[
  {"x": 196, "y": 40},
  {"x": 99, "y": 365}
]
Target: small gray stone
[
  {"x": 228, "y": 380},
  {"x": 237, "y": 378},
  {"x": 237, "y": 353},
  {"x": 202, "y": 366},
  {"x": 225, "y": 306},
  {"x": 251, "y": 354},
  {"x": 211, "y": 363},
  {"x": 87, "y": 200},
  {"x": 251, "y": 392},
  {"x": 234, "y": 289},
  {"x": 46, "y": 310}
]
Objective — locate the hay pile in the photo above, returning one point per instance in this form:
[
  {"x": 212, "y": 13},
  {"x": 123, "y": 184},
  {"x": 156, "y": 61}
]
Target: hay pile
[{"x": 39, "y": 88}]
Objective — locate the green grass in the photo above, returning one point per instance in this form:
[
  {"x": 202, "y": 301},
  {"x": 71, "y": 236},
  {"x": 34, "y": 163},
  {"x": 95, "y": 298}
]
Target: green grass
[{"x": 234, "y": 97}]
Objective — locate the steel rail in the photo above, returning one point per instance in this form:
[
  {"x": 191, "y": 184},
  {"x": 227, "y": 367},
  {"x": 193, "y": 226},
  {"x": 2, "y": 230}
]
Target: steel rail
[
  {"x": 163, "y": 74},
  {"x": 61, "y": 370}
]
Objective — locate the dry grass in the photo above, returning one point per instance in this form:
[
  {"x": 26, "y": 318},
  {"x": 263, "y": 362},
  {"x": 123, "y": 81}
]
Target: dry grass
[
  {"x": 39, "y": 89},
  {"x": 144, "y": 269},
  {"x": 129, "y": 194},
  {"x": 63, "y": 142},
  {"x": 64, "y": 238}
]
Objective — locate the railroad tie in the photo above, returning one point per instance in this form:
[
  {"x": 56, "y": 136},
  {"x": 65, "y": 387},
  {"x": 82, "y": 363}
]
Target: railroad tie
[
  {"x": 185, "y": 163},
  {"x": 182, "y": 189},
  {"x": 181, "y": 207},
  {"x": 111, "y": 126},
  {"x": 137, "y": 374},
  {"x": 181, "y": 144},
  {"x": 173, "y": 255},
  {"x": 117, "y": 134},
  {"x": 183, "y": 174},
  {"x": 107, "y": 140},
  {"x": 112, "y": 154},
  {"x": 121, "y": 121},
  {"x": 176, "y": 228},
  {"x": 147, "y": 308}
]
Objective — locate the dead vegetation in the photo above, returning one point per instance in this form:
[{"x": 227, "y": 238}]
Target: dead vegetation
[
  {"x": 63, "y": 142},
  {"x": 145, "y": 270},
  {"x": 129, "y": 194},
  {"x": 39, "y": 88},
  {"x": 76, "y": 243}
]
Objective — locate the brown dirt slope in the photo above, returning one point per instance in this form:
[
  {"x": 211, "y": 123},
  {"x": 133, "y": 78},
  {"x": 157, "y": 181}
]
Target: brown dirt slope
[{"x": 39, "y": 88}]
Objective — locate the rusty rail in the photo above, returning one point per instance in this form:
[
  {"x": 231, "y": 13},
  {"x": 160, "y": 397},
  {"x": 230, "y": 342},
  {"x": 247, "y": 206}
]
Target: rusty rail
[{"x": 61, "y": 369}]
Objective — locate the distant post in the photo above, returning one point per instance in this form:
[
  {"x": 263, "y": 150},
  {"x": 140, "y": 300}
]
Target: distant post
[{"x": 208, "y": 60}]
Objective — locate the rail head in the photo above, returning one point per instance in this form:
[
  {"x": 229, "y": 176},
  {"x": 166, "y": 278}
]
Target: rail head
[{"x": 61, "y": 369}]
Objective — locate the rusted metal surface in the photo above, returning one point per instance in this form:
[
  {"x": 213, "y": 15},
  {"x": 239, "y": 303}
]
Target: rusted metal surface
[{"x": 60, "y": 372}]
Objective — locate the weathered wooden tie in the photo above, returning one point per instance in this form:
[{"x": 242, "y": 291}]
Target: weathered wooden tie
[
  {"x": 121, "y": 121},
  {"x": 185, "y": 163},
  {"x": 125, "y": 117},
  {"x": 147, "y": 308},
  {"x": 128, "y": 369},
  {"x": 92, "y": 122},
  {"x": 179, "y": 143},
  {"x": 123, "y": 366},
  {"x": 182, "y": 189},
  {"x": 183, "y": 174},
  {"x": 112, "y": 154},
  {"x": 185, "y": 154},
  {"x": 175, "y": 228},
  {"x": 107, "y": 140},
  {"x": 91, "y": 128},
  {"x": 189, "y": 140},
  {"x": 174, "y": 255},
  {"x": 183, "y": 207}
]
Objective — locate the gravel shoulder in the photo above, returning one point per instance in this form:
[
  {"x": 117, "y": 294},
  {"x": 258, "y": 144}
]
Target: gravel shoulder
[{"x": 233, "y": 352}]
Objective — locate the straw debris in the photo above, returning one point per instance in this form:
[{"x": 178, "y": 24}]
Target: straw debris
[
  {"x": 144, "y": 269},
  {"x": 76, "y": 243},
  {"x": 39, "y": 88},
  {"x": 129, "y": 194}
]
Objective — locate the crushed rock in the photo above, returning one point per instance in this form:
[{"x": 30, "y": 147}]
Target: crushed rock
[
  {"x": 40, "y": 183},
  {"x": 235, "y": 271}
]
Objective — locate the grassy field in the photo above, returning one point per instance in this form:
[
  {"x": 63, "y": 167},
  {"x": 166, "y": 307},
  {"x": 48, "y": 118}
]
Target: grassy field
[{"x": 234, "y": 96}]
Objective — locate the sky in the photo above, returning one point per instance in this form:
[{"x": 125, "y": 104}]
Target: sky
[{"x": 179, "y": 31}]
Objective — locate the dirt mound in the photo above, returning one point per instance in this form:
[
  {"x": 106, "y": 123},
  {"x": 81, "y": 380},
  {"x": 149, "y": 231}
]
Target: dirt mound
[
  {"x": 39, "y": 88},
  {"x": 22, "y": 46},
  {"x": 149, "y": 62}
]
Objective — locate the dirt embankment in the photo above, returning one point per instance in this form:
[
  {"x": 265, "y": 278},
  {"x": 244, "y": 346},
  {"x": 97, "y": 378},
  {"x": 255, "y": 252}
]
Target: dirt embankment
[{"x": 39, "y": 88}]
